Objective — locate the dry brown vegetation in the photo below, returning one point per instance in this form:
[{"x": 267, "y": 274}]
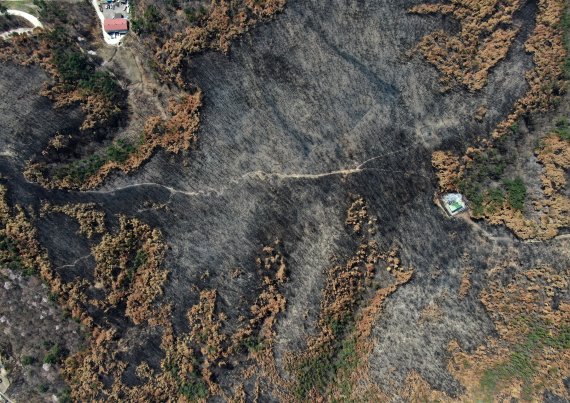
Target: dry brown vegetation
[
  {"x": 448, "y": 170},
  {"x": 531, "y": 352},
  {"x": 128, "y": 268},
  {"x": 128, "y": 274},
  {"x": 485, "y": 37},
  {"x": 335, "y": 362},
  {"x": 547, "y": 83},
  {"x": 48, "y": 49},
  {"x": 465, "y": 285},
  {"x": 191, "y": 359},
  {"x": 551, "y": 209},
  {"x": 19, "y": 247},
  {"x": 174, "y": 134},
  {"x": 169, "y": 43},
  {"x": 224, "y": 21},
  {"x": 127, "y": 271},
  {"x": 547, "y": 79},
  {"x": 530, "y": 312},
  {"x": 91, "y": 220}
]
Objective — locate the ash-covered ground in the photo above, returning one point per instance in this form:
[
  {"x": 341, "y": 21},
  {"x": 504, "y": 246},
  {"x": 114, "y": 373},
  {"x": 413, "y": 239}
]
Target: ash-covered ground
[{"x": 325, "y": 102}]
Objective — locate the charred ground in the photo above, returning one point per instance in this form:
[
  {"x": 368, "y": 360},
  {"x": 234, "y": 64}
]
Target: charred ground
[{"x": 318, "y": 108}]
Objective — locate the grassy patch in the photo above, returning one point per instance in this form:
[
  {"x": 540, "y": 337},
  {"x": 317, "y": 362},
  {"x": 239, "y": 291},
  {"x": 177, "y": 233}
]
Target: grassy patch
[
  {"x": 323, "y": 368},
  {"x": 28, "y": 360},
  {"x": 140, "y": 260},
  {"x": 253, "y": 344},
  {"x": 80, "y": 171},
  {"x": 193, "y": 15},
  {"x": 194, "y": 388},
  {"x": 496, "y": 200},
  {"x": 76, "y": 69},
  {"x": 147, "y": 22},
  {"x": 10, "y": 256},
  {"x": 54, "y": 355},
  {"x": 487, "y": 167},
  {"x": 563, "y": 129},
  {"x": 516, "y": 193},
  {"x": 522, "y": 363}
]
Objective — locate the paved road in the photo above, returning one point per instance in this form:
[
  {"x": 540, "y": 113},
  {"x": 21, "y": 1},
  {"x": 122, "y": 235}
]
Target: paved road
[{"x": 29, "y": 17}]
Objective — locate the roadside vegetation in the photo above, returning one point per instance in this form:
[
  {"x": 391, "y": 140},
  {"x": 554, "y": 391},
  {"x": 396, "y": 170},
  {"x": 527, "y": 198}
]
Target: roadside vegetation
[{"x": 9, "y": 21}]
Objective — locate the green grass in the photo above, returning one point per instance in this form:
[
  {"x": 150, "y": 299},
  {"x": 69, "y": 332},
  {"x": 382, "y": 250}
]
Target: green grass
[
  {"x": 54, "y": 355},
  {"x": 516, "y": 193},
  {"x": 10, "y": 256},
  {"x": 120, "y": 151},
  {"x": 147, "y": 22},
  {"x": 140, "y": 260},
  {"x": 253, "y": 344},
  {"x": 329, "y": 365},
  {"x": 64, "y": 396},
  {"x": 194, "y": 388},
  {"x": 80, "y": 171},
  {"x": 77, "y": 70},
  {"x": 496, "y": 199},
  {"x": 487, "y": 168},
  {"x": 563, "y": 128},
  {"x": 193, "y": 15},
  {"x": 28, "y": 360},
  {"x": 522, "y": 362}
]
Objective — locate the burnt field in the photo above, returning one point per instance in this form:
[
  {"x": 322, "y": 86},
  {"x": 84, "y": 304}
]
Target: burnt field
[{"x": 324, "y": 104}]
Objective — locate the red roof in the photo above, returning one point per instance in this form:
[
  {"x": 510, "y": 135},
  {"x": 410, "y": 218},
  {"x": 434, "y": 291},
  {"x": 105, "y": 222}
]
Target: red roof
[{"x": 116, "y": 24}]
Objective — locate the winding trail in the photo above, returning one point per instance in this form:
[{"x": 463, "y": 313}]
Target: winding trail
[
  {"x": 28, "y": 17},
  {"x": 266, "y": 176}
]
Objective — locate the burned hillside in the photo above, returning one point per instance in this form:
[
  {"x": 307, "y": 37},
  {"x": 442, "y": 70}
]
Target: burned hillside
[{"x": 241, "y": 202}]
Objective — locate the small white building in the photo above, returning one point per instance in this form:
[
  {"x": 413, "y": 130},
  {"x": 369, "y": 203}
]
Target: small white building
[{"x": 453, "y": 203}]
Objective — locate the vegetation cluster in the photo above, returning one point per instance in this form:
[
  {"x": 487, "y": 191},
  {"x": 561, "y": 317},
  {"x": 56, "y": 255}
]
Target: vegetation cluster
[
  {"x": 336, "y": 357},
  {"x": 481, "y": 174},
  {"x": 531, "y": 352},
  {"x": 174, "y": 134}
]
